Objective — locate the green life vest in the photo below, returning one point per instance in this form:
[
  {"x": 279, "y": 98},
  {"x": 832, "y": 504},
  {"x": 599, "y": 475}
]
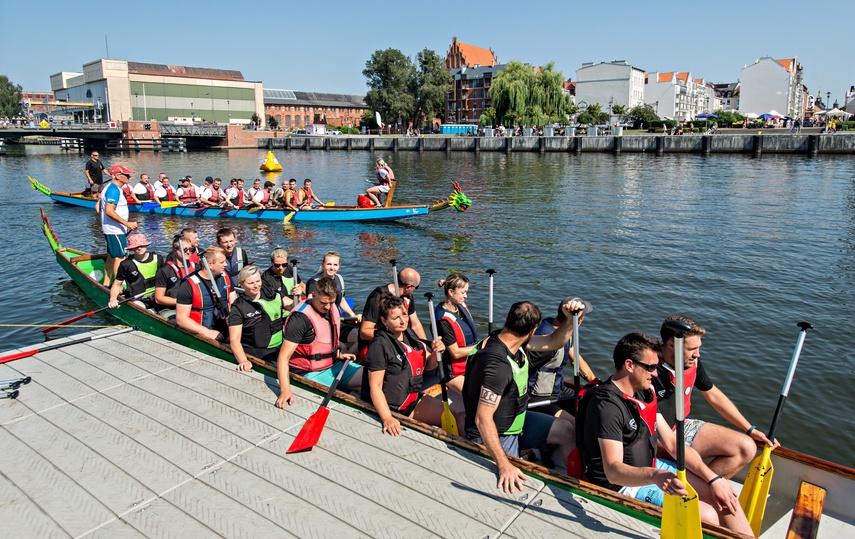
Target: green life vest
[
  {"x": 148, "y": 270},
  {"x": 273, "y": 308},
  {"x": 287, "y": 285},
  {"x": 521, "y": 381}
]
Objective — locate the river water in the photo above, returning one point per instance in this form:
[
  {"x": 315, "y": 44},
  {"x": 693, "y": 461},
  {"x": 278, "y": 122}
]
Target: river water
[{"x": 748, "y": 247}]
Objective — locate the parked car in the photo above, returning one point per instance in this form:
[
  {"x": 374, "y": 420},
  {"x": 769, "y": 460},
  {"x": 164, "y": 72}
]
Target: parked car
[
  {"x": 333, "y": 132},
  {"x": 299, "y": 132}
]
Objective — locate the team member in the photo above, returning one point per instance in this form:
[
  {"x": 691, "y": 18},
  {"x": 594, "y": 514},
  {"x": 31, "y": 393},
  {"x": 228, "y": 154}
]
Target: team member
[
  {"x": 310, "y": 345},
  {"x": 456, "y": 328},
  {"x": 290, "y": 196},
  {"x": 277, "y": 199},
  {"x": 279, "y": 279},
  {"x": 170, "y": 275},
  {"x": 394, "y": 370},
  {"x": 729, "y": 450},
  {"x": 113, "y": 210},
  {"x": 256, "y": 187},
  {"x": 94, "y": 172},
  {"x": 212, "y": 195},
  {"x": 144, "y": 191},
  {"x": 546, "y": 371},
  {"x": 236, "y": 258},
  {"x": 384, "y": 178},
  {"x": 329, "y": 268},
  {"x": 306, "y": 198},
  {"x": 495, "y": 392},
  {"x": 235, "y": 194},
  {"x": 408, "y": 282},
  {"x": 621, "y": 427},
  {"x": 198, "y": 308},
  {"x": 188, "y": 195},
  {"x": 137, "y": 274},
  {"x": 255, "y": 323},
  {"x": 261, "y": 198},
  {"x": 164, "y": 191},
  {"x": 128, "y": 193}
]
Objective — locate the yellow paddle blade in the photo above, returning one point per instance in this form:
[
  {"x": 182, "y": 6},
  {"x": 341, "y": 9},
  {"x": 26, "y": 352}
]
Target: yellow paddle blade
[
  {"x": 329, "y": 204},
  {"x": 755, "y": 491},
  {"x": 254, "y": 209},
  {"x": 449, "y": 423},
  {"x": 169, "y": 204},
  {"x": 681, "y": 517},
  {"x": 288, "y": 217}
]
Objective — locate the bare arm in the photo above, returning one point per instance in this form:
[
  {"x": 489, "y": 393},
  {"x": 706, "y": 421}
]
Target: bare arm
[
  {"x": 161, "y": 298},
  {"x": 416, "y": 326},
  {"x": 110, "y": 211},
  {"x": 509, "y": 476},
  {"x": 285, "y": 353},
  {"x": 182, "y": 318},
  {"x": 584, "y": 369},
  {"x": 562, "y": 334},
  {"x": 346, "y": 308},
  {"x": 115, "y": 290},
  {"x": 378, "y": 398},
  {"x": 367, "y": 329},
  {"x": 625, "y": 475},
  {"x": 235, "y": 333}
]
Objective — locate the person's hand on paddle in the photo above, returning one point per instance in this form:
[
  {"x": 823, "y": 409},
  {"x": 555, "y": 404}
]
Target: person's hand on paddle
[
  {"x": 113, "y": 303},
  {"x": 344, "y": 357},
  {"x": 668, "y": 482},
  {"x": 510, "y": 477},
  {"x": 391, "y": 426},
  {"x": 244, "y": 366},
  {"x": 758, "y": 436},
  {"x": 724, "y": 497},
  {"x": 285, "y": 397},
  {"x": 571, "y": 307},
  {"x": 437, "y": 346}
]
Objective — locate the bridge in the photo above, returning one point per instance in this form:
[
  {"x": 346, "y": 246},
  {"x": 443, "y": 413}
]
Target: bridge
[{"x": 106, "y": 132}]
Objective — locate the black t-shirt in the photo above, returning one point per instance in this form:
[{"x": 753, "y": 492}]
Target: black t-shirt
[
  {"x": 256, "y": 323},
  {"x": 371, "y": 311},
  {"x": 665, "y": 390},
  {"x": 271, "y": 284},
  {"x": 383, "y": 355},
  {"x": 611, "y": 417},
  {"x": 168, "y": 279},
  {"x": 299, "y": 328},
  {"x": 490, "y": 368},
  {"x": 130, "y": 274},
  {"x": 96, "y": 171}
]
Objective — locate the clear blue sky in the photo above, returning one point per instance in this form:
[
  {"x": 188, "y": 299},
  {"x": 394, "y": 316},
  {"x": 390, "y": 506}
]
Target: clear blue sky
[{"x": 323, "y": 45}]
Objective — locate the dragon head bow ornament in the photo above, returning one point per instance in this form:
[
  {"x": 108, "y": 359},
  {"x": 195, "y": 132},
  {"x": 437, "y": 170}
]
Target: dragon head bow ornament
[{"x": 458, "y": 200}]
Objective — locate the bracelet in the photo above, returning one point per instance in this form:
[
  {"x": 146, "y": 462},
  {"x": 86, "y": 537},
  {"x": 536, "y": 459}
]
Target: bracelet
[
  {"x": 751, "y": 429},
  {"x": 713, "y": 480}
]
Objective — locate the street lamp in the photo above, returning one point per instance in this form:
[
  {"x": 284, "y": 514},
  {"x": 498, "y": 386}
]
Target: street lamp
[
  {"x": 192, "y": 113},
  {"x": 828, "y": 100}
]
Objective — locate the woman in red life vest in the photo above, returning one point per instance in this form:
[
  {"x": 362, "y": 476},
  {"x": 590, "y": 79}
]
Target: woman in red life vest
[
  {"x": 385, "y": 177},
  {"x": 394, "y": 370},
  {"x": 456, "y": 328}
]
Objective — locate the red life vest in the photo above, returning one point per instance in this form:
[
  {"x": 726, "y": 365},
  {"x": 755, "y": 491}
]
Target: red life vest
[
  {"x": 215, "y": 195},
  {"x": 291, "y": 197},
  {"x": 265, "y": 198},
  {"x": 126, "y": 190},
  {"x": 408, "y": 382},
  {"x": 170, "y": 193},
  {"x": 238, "y": 200},
  {"x": 458, "y": 368},
  {"x": 647, "y": 411},
  {"x": 319, "y": 354},
  {"x": 149, "y": 193},
  {"x": 309, "y": 196},
  {"x": 188, "y": 196},
  {"x": 689, "y": 376},
  {"x": 197, "y": 305},
  {"x": 180, "y": 272}
]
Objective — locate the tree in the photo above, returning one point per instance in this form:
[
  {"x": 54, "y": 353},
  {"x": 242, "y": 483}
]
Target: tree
[
  {"x": 389, "y": 73},
  {"x": 642, "y": 113},
  {"x": 489, "y": 117},
  {"x": 619, "y": 111},
  {"x": 594, "y": 115},
  {"x": 522, "y": 96},
  {"x": 727, "y": 117},
  {"x": 256, "y": 119},
  {"x": 429, "y": 83},
  {"x": 271, "y": 122},
  {"x": 10, "y": 97}
]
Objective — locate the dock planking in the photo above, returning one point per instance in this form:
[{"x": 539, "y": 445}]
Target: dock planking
[{"x": 134, "y": 436}]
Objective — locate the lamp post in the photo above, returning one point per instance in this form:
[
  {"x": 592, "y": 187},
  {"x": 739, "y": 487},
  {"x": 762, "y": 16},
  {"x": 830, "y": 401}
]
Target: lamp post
[
  {"x": 192, "y": 113},
  {"x": 229, "y": 106},
  {"x": 827, "y": 100}
]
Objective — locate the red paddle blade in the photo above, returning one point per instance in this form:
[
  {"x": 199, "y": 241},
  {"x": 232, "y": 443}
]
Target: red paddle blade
[
  {"x": 66, "y": 322},
  {"x": 18, "y": 355},
  {"x": 311, "y": 431},
  {"x": 574, "y": 464}
]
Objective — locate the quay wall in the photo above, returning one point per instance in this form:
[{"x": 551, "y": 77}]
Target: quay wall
[{"x": 742, "y": 143}]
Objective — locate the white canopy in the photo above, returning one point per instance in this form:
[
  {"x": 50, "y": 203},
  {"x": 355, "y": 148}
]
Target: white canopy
[
  {"x": 836, "y": 113},
  {"x": 776, "y": 114},
  {"x": 751, "y": 116}
]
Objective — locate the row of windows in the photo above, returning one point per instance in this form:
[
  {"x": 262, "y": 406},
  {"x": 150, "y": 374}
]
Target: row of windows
[{"x": 191, "y": 90}]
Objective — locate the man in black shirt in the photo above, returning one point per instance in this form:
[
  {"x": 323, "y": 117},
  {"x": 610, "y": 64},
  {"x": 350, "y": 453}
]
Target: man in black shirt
[
  {"x": 94, "y": 172},
  {"x": 621, "y": 428},
  {"x": 408, "y": 282},
  {"x": 729, "y": 450}
]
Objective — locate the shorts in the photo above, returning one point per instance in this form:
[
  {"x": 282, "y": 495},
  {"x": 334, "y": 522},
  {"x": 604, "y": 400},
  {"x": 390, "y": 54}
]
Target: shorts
[
  {"x": 650, "y": 493},
  {"x": 117, "y": 245},
  {"x": 691, "y": 428},
  {"x": 534, "y": 434},
  {"x": 327, "y": 376},
  {"x": 383, "y": 187}
]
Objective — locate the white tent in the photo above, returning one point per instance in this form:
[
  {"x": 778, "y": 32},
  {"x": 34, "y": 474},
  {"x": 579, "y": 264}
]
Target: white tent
[
  {"x": 836, "y": 113},
  {"x": 775, "y": 113},
  {"x": 751, "y": 116}
]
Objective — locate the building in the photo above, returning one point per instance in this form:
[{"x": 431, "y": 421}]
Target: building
[
  {"x": 295, "y": 110},
  {"x": 609, "y": 84},
  {"x": 770, "y": 84},
  {"x": 849, "y": 102},
  {"x": 726, "y": 96},
  {"x": 677, "y": 95},
  {"x": 472, "y": 71},
  {"x": 119, "y": 90}
]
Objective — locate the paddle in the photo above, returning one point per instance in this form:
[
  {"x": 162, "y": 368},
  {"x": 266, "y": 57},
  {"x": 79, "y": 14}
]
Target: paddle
[
  {"x": 448, "y": 422},
  {"x": 574, "y": 459},
  {"x": 681, "y": 515},
  {"x": 296, "y": 298},
  {"x": 311, "y": 431},
  {"x": 15, "y": 383},
  {"x": 87, "y": 315},
  {"x": 28, "y": 353},
  {"x": 154, "y": 205},
  {"x": 395, "y": 276},
  {"x": 200, "y": 209},
  {"x": 254, "y": 209},
  {"x": 288, "y": 216},
  {"x": 755, "y": 491},
  {"x": 490, "y": 272}
]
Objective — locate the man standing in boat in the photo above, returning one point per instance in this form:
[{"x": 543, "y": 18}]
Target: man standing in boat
[
  {"x": 729, "y": 450},
  {"x": 495, "y": 392},
  {"x": 199, "y": 308},
  {"x": 113, "y": 210},
  {"x": 94, "y": 172},
  {"x": 620, "y": 431}
]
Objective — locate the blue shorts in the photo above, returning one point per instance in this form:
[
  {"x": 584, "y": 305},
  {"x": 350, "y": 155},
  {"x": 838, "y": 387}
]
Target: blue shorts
[
  {"x": 117, "y": 245},
  {"x": 534, "y": 434},
  {"x": 327, "y": 376},
  {"x": 650, "y": 493}
]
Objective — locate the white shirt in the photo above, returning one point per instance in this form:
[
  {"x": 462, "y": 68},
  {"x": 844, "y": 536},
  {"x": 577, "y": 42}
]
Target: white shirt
[
  {"x": 160, "y": 192},
  {"x": 112, "y": 194},
  {"x": 208, "y": 191}
]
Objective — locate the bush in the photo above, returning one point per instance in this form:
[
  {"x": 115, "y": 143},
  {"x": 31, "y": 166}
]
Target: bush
[
  {"x": 846, "y": 126},
  {"x": 659, "y": 124}
]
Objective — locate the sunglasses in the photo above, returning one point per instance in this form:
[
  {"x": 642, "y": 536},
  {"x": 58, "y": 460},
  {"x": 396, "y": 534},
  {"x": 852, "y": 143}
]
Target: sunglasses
[
  {"x": 649, "y": 367},
  {"x": 280, "y": 265}
]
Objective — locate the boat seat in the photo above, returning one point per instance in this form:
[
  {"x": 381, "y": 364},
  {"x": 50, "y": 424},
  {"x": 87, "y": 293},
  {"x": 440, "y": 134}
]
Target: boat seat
[{"x": 807, "y": 511}]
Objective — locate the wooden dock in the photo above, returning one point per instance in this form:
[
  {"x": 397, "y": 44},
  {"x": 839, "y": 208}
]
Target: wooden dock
[{"x": 134, "y": 436}]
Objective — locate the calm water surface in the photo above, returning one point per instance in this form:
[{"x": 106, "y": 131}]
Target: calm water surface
[{"x": 747, "y": 247}]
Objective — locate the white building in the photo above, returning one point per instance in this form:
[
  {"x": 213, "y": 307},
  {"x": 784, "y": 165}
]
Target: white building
[
  {"x": 849, "y": 102},
  {"x": 609, "y": 84},
  {"x": 677, "y": 95},
  {"x": 770, "y": 84}
]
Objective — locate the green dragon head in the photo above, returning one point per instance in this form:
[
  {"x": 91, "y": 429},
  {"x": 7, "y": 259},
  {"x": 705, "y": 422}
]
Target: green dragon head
[{"x": 457, "y": 200}]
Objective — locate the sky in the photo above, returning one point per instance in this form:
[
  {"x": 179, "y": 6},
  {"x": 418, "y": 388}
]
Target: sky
[{"x": 322, "y": 46}]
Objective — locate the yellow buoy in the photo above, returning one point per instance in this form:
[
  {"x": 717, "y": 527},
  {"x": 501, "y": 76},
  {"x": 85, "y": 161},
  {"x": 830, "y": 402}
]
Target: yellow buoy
[{"x": 270, "y": 164}]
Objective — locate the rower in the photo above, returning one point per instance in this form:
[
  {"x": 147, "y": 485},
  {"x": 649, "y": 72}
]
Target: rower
[
  {"x": 191, "y": 236},
  {"x": 144, "y": 191},
  {"x": 277, "y": 199},
  {"x": 252, "y": 191},
  {"x": 170, "y": 275},
  {"x": 290, "y": 195},
  {"x": 456, "y": 327},
  {"x": 329, "y": 268},
  {"x": 187, "y": 193},
  {"x": 235, "y": 194},
  {"x": 211, "y": 194},
  {"x": 384, "y": 178},
  {"x": 261, "y": 198},
  {"x": 136, "y": 275},
  {"x": 236, "y": 257},
  {"x": 408, "y": 282},
  {"x": 306, "y": 198},
  {"x": 279, "y": 279},
  {"x": 255, "y": 324},
  {"x": 128, "y": 193},
  {"x": 729, "y": 450},
  {"x": 165, "y": 192},
  {"x": 200, "y": 308},
  {"x": 310, "y": 345}
]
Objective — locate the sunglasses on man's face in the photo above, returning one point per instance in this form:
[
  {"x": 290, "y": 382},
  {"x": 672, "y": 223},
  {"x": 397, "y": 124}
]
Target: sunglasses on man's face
[
  {"x": 280, "y": 265},
  {"x": 649, "y": 367}
]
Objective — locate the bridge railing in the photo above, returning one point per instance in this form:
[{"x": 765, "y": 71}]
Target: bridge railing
[{"x": 192, "y": 130}]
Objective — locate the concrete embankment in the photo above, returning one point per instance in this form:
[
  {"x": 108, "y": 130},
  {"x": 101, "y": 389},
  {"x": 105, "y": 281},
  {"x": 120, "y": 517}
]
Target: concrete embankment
[{"x": 754, "y": 144}]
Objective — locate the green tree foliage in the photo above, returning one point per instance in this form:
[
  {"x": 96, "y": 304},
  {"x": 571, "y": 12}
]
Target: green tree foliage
[
  {"x": 594, "y": 115},
  {"x": 643, "y": 113},
  {"x": 10, "y": 97},
  {"x": 429, "y": 83},
  {"x": 522, "y": 96},
  {"x": 389, "y": 73},
  {"x": 271, "y": 122},
  {"x": 489, "y": 117},
  {"x": 619, "y": 111},
  {"x": 727, "y": 117}
]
